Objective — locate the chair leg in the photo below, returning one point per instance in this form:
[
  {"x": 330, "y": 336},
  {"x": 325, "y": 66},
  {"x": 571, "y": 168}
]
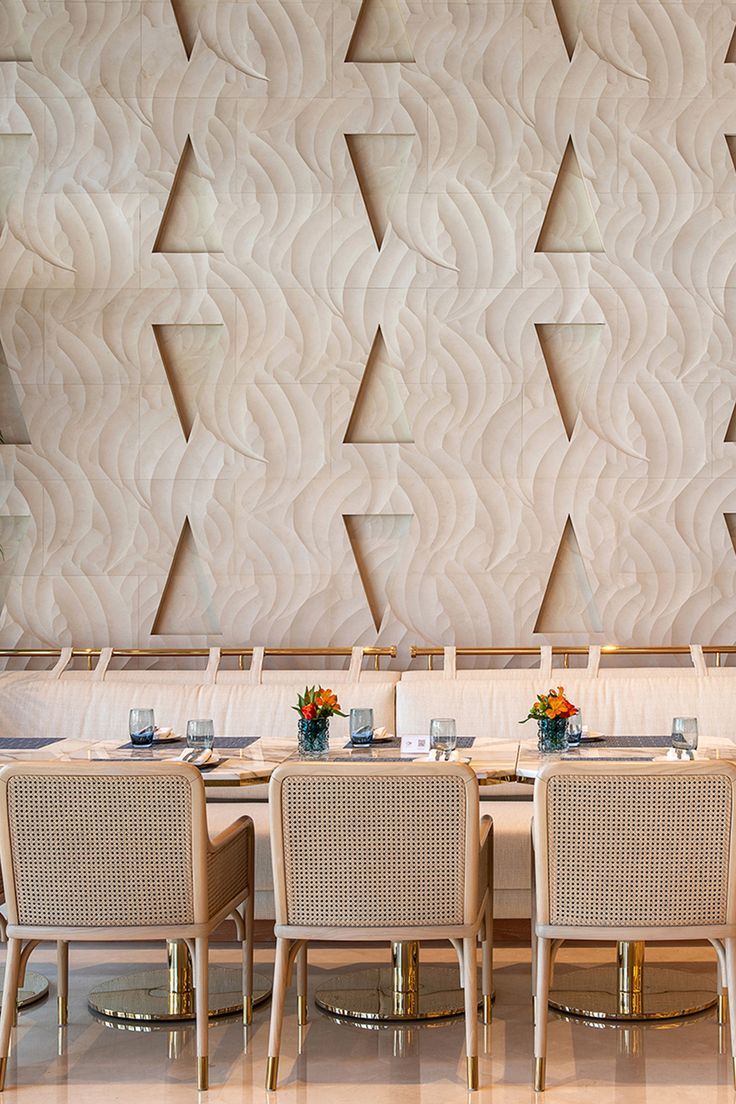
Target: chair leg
[
  {"x": 731, "y": 986},
  {"x": 280, "y": 974},
  {"x": 62, "y": 981},
  {"x": 722, "y": 984},
  {"x": 301, "y": 985},
  {"x": 541, "y": 996},
  {"x": 487, "y": 963},
  {"x": 201, "y": 1007},
  {"x": 470, "y": 990},
  {"x": 248, "y": 963},
  {"x": 10, "y": 997}
]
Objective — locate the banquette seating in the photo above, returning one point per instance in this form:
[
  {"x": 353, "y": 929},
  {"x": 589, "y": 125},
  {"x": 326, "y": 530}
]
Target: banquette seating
[{"x": 486, "y": 703}]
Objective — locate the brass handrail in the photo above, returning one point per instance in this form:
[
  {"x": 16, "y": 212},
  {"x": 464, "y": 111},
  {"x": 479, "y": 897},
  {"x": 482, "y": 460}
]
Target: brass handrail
[
  {"x": 420, "y": 651},
  {"x": 89, "y": 654}
]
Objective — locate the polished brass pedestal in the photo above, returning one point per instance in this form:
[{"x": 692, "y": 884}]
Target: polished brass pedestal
[
  {"x": 34, "y": 988},
  {"x": 168, "y": 993},
  {"x": 404, "y": 991},
  {"x": 631, "y": 990}
]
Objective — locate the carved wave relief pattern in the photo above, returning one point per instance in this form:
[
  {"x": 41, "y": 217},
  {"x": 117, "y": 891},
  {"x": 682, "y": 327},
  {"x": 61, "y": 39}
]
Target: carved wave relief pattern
[{"x": 333, "y": 321}]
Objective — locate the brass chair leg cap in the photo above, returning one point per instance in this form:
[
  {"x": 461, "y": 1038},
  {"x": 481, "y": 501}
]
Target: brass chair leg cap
[
  {"x": 723, "y": 1007},
  {"x": 472, "y": 1066},
  {"x": 272, "y": 1073},
  {"x": 203, "y": 1073},
  {"x": 3, "y": 1069},
  {"x": 487, "y": 1009},
  {"x": 540, "y": 1066},
  {"x": 247, "y": 1011},
  {"x": 302, "y": 1010},
  {"x": 734, "y": 1071},
  {"x": 62, "y": 1011}
]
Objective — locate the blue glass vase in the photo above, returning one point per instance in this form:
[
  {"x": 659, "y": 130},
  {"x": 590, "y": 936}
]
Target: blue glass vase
[
  {"x": 314, "y": 736},
  {"x": 552, "y": 734}
]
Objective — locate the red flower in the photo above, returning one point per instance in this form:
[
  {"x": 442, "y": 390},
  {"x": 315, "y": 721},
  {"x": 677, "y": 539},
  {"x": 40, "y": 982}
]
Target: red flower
[{"x": 309, "y": 712}]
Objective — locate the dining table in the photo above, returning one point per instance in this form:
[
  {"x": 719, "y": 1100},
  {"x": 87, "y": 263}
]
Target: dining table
[{"x": 407, "y": 990}]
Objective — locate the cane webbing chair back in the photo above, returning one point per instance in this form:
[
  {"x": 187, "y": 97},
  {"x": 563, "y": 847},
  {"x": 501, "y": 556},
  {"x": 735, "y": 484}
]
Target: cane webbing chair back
[
  {"x": 100, "y": 845},
  {"x": 635, "y": 845},
  {"x": 375, "y": 845}
]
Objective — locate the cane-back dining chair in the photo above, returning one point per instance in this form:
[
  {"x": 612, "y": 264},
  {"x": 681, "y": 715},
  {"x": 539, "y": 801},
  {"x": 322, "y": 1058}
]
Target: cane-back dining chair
[
  {"x": 384, "y": 852},
  {"x": 119, "y": 851},
  {"x": 633, "y": 852}
]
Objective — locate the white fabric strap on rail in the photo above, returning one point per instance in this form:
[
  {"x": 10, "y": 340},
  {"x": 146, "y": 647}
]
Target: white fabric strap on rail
[
  {"x": 256, "y": 666},
  {"x": 61, "y": 664},
  {"x": 696, "y": 654},
  {"x": 102, "y": 664},
  {"x": 594, "y": 660},
  {"x": 356, "y": 665},
  {"x": 450, "y": 662},
  {"x": 213, "y": 666},
  {"x": 545, "y": 663}
]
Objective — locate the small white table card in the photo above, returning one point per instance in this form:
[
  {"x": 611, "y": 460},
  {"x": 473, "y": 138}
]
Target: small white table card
[{"x": 414, "y": 744}]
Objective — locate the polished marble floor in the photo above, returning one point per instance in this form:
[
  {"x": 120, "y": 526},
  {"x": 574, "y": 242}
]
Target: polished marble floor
[{"x": 92, "y": 1062}]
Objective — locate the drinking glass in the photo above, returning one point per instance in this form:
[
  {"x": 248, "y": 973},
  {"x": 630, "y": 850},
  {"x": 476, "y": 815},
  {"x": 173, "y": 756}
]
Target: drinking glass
[
  {"x": 575, "y": 729},
  {"x": 361, "y": 726},
  {"x": 685, "y": 733},
  {"x": 140, "y": 727},
  {"x": 442, "y": 734},
  {"x": 200, "y": 734}
]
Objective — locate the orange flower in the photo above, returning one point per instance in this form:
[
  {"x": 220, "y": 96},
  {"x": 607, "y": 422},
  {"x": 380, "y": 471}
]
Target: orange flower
[
  {"x": 326, "y": 697},
  {"x": 309, "y": 712}
]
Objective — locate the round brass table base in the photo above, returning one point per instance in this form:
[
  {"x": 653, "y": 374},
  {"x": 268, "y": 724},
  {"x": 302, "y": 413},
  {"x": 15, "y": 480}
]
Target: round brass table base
[
  {"x": 370, "y": 995},
  {"x": 592, "y": 993},
  {"x": 146, "y": 996},
  {"x": 35, "y": 988}
]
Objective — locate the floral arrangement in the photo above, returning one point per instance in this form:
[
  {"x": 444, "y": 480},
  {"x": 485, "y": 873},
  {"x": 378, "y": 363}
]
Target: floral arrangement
[
  {"x": 317, "y": 704},
  {"x": 550, "y": 705}
]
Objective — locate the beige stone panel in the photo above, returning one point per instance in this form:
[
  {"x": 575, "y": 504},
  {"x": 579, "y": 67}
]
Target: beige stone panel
[
  {"x": 22, "y": 333},
  {"x": 81, "y": 430},
  {"x": 720, "y": 272},
  {"x": 82, "y": 241},
  {"x": 238, "y": 50},
  {"x": 674, "y": 333},
  {"x": 59, "y": 609},
  {"x": 86, "y": 47}
]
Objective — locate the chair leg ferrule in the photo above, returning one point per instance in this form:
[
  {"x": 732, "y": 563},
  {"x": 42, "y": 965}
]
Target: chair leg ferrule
[
  {"x": 540, "y": 1070},
  {"x": 487, "y": 1008},
  {"x": 723, "y": 1006},
  {"x": 247, "y": 1011},
  {"x": 472, "y": 1067},
  {"x": 3, "y": 1069},
  {"x": 302, "y": 1010},
  {"x": 203, "y": 1073},
  {"x": 734, "y": 1071},
  {"x": 272, "y": 1073},
  {"x": 62, "y": 1011}
]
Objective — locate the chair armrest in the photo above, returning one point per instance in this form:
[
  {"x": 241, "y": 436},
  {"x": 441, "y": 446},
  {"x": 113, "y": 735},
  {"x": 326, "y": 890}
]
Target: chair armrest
[
  {"x": 230, "y": 865},
  {"x": 485, "y": 864}
]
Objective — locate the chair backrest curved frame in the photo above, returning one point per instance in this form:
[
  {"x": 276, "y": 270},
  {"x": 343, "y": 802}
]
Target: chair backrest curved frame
[
  {"x": 367, "y": 815},
  {"x": 187, "y": 843}
]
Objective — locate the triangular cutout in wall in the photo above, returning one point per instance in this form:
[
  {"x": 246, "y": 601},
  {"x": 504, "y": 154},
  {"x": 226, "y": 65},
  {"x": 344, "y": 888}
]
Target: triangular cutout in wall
[
  {"x": 376, "y": 540},
  {"x": 379, "y": 34},
  {"x": 570, "y": 225},
  {"x": 12, "y": 423},
  {"x": 730, "y": 520},
  {"x": 187, "y": 601},
  {"x": 14, "y": 44},
  {"x": 188, "y": 353},
  {"x": 568, "y": 14},
  {"x": 731, "y": 143},
  {"x": 572, "y": 352},
  {"x": 730, "y": 438},
  {"x": 379, "y": 412},
  {"x": 379, "y": 161},
  {"x": 731, "y": 51},
  {"x": 189, "y": 221},
  {"x": 186, "y": 14},
  {"x": 13, "y": 148},
  {"x": 568, "y": 605}
]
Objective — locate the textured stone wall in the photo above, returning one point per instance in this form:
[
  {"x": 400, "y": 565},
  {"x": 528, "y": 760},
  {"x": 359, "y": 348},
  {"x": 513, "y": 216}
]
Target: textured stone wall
[{"x": 324, "y": 322}]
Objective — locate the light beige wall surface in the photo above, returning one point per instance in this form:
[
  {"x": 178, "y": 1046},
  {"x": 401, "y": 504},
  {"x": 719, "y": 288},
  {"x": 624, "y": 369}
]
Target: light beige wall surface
[{"x": 435, "y": 342}]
